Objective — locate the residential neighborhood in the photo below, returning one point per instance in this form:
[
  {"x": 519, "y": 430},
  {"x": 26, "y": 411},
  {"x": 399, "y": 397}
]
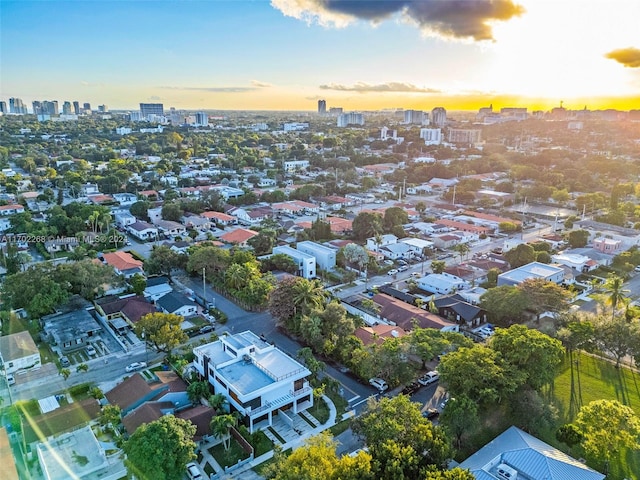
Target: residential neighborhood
[{"x": 401, "y": 293}]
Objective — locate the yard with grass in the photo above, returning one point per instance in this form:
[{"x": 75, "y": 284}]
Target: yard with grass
[
  {"x": 226, "y": 458},
  {"x": 320, "y": 411},
  {"x": 590, "y": 378}
]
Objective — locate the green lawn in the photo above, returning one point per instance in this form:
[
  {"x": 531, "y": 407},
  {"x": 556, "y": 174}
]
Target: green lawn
[
  {"x": 226, "y": 458},
  {"x": 320, "y": 411},
  {"x": 594, "y": 379}
]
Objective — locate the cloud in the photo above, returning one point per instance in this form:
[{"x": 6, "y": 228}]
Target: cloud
[
  {"x": 629, "y": 57},
  {"x": 445, "y": 18},
  {"x": 362, "y": 87},
  {"x": 259, "y": 84},
  {"x": 213, "y": 89}
]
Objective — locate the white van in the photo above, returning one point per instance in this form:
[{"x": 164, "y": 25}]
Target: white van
[
  {"x": 378, "y": 383},
  {"x": 11, "y": 379}
]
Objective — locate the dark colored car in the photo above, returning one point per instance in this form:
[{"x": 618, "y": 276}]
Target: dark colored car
[
  {"x": 411, "y": 388},
  {"x": 431, "y": 413}
]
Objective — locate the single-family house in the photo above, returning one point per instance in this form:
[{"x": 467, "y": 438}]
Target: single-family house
[
  {"x": 18, "y": 352},
  {"x": 125, "y": 199},
  {"x": 446, "y": 240},
  {"x": 61, "y": 244},
  {"x": 515, "y": 454},
  {"x": 607, "y": 245},
  {"x": 441, "y": 283},
  {"x": 69, "y": 331},
  {"x": 306, "y": 263},
  {"x": 239, "y": 236},
  {"x": 123, "y": 263},
  {"x": 377, "y": 334},
  {"x": 325, "y": 256},
  {"x": 220, "y": 218},
  {"x": 143, "y": 231},
  {"x": 531, "y": 270},
  {"x": 122, "y": 313},
  {"x": 258, "y": 379},
  {"x": 178, "y": 304},
  {"x": 123, "y": 219},
  {"x": 396, "y": 251},
  {"x": 157, "y": 287},
  {"x": 404, "y": 315},
  {"x": 458, "y": 310},
  {"x": 12, "y": 209},
  {"x": 375, "y": 243},
  {"x": 170, "y": 228},
  {"x": 579, "y": 263}
]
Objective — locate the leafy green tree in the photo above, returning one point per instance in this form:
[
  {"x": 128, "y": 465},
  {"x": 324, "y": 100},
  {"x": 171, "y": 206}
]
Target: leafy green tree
[
  {"x": 617, "y": 337},
  {"x": 263, "y": 243},
  {"x": 438, "y": 266},
  {"x": 65, "y": 372},
  {"x": 197, "y": 390},
  {"x": 317, "y": 460},
  {"x": 578, "y": 238},
  {"x": 454, "y": 474},
  {"x": 86, "y": 278},
  {"x": 394, "y": 217},
  {"x": 479, "y": 373},
  {"x": 521, "y": 255},
  {"x": 221, "y": 425},
  {"x": 505, "y": 304},
  {"x": 426, "y": 343},
  {"x": 170, "y": 435},
  {"x": 530, "y": 351},
  {"x": 140, "y": 210},
  {"x": 314, "y": 365},
  {"x": 218, "y": 402},
  {"x": 366, "y": 225},
  {"x": 606, "y": 427},
  {"x": 356, "y": 256},
  {"x": 544, "y": 296},
  {"x": 281, "y": 304},
  {"x": 163, "y": 261},
  {"x": 400, "y": 421},
  {"x": 110, "y": 415},
  {"x": 138, "y": 284},
  {"x": 279, "y": 262},
  {"x": 460, "y": 418},
  {"x": 214, "y": 260},
  {"x": 172, "y": 212},
  {"x": 161, "y": 331},
  {"x": 569, "y": 434}
]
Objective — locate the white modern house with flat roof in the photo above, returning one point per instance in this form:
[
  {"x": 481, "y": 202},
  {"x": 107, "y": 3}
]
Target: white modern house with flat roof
[
  {"x": 441, "y": 283},
  {"x": 518, "y": 275},
  {"x": 325, "y": 256},
  {"x": 258, "y": 379},
  {"x": 306, "y": 263}
]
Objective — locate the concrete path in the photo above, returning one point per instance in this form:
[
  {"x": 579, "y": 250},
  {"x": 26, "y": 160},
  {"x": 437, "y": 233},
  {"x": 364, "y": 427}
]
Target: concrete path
[{"x": 245, "y": 472}]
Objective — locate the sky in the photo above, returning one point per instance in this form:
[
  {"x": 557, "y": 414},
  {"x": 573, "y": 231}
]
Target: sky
[{"x": 355, "y": 54}]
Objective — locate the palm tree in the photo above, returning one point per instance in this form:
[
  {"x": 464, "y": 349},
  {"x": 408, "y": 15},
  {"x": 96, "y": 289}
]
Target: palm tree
[
  {"x": 462, "y": 249},
  {"x": 616, "y": 292},
  {"x": 220, "y": 426},
  {"x": 236, "y": 276},
  {"x": 218, "y": 402},
  {"x": 308, "y": 294}
]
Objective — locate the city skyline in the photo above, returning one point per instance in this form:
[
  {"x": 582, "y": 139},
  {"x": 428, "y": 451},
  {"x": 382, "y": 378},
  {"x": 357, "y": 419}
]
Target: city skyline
[{"x": 288, "y": 54}]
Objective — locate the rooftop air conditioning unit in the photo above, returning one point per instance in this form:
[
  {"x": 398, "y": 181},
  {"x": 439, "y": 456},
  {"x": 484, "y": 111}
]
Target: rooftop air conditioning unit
[{"x": 505, "y": 472}]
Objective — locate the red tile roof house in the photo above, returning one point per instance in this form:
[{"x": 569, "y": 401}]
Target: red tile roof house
[
  {"x": 6, "y": 210},
  {"x": 378, "y": 333},
  {"x": 239, "y": 236},
  {"x": 123, "y": 263},
  {"x": 403, "y": 315},
  {"x": 220, "y": 218}
]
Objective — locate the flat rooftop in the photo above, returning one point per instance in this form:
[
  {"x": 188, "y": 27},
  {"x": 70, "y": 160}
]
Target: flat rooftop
[{"x": 245, "y": 377}]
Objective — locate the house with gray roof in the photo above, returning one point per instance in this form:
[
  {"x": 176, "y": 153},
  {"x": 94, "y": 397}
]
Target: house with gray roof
[
  {"x": 533, "y": 270},
  {"x": 524, "y": 456},
  {"x": 178, "y": 304},
  {"x": 70, "y": 331}
]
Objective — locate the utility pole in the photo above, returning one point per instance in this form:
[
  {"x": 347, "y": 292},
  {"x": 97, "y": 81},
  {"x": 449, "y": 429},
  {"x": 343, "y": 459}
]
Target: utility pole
[{"x": 204, "y": 289}]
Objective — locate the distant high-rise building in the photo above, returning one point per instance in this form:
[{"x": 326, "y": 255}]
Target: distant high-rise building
[
  {"x": 351, "y": 118},
  {"x": 37, "y": 107},
  {"x": 103, "y": 108},
  {"x": 17, "y": 106},
  {"x": 50, "y": 107},
  {"x": 147, "y": 109},
  {"x": 416, "y": 117},
  {"x": 439, "y": 117},
  {"x": 202, "y": 119},
  {"x": 431, "y": 136},
  {"x": 3, "y": 107},
  {"x": 86, "y": 107},
  {"x": 76, "y": 107},
  {"x": 460, "y": 135},
  {"x": 322, "y": 107},
  {"x": 335, "y": 111},
  {"x": 66, "y": 108}
]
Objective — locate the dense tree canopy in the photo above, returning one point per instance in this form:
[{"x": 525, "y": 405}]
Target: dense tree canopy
[
  {"x": 161, "y": 449},
  {"x": 161, "y": 331}
]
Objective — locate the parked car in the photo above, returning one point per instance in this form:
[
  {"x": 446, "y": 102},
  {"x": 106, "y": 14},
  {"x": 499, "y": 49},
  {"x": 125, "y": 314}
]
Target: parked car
[
  {"x": 403, "y": 268},
  {"x": 388, "y": 262},
  {"x": 10, "y": 379},
  {"x": 206, "y": 329},
  {"x": 401, "y": 262},
  {"x": 393, "y": 271},
  {"x": 429, "y": 377},
  {"x": 411, "y": 388},
  {"x": 132, "y": 367},
  {"x": 91, "y": 351},
  {"x": 415, "y": 274},
  {"x": 64, "y": 361},
  {"x": 193, "y": 471},
  {"x": 378, "y": 383},
  {"x": 431, "y": 413}
]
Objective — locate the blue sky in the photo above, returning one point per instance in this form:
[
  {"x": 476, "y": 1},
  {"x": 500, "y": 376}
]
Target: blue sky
[{"x": 285, "y": 54}]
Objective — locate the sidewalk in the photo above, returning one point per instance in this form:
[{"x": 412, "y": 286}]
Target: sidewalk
[{"x": 243, "y": 472}]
